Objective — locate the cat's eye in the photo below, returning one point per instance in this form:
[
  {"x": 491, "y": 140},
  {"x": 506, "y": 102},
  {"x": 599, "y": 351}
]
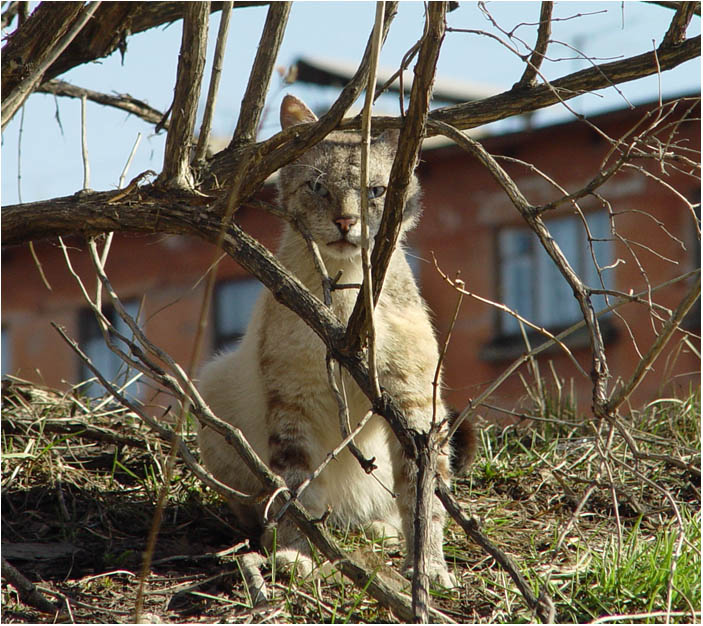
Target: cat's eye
[
  {"x": 317, "y": 188},
  {"x": 376, "y": 192}
]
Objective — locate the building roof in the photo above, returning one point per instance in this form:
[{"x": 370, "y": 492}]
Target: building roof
[{"x": 339, "y": 73}]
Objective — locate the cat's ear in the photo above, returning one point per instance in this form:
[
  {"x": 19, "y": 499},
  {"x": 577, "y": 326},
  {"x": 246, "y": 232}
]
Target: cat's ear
[{"x": 295, "y": 111}]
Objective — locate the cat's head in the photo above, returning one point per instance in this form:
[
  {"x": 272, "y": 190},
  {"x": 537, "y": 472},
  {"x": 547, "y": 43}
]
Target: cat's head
[{"x": 322, "y": 186}]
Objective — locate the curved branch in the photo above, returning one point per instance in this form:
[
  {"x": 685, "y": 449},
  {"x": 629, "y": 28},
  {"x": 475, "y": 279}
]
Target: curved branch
[
  {"x": 517, "y": 101},
  {"x": 125, "y": 102},
  {"x": 529, "y": 77},
  {"x": 289, "y": 144},
  {"x": 33, "y": 74}
]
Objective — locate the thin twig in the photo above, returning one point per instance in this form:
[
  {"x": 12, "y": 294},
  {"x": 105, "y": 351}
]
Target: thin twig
[
  {"x": 84, "y": 145},
  {"x": 124, "y": 102},
  {"x": 364, "y": 196},
  {"x": 204, "y": 136},
  {"x": 669, "y": 328}
]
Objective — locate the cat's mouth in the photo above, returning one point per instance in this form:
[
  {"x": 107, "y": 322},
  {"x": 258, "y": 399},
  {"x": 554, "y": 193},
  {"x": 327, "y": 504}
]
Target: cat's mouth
[{"x": 342, "y": 245}]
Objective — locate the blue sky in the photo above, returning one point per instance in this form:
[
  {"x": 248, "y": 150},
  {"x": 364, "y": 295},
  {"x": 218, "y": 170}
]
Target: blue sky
[{"x": 50, "y": 163}]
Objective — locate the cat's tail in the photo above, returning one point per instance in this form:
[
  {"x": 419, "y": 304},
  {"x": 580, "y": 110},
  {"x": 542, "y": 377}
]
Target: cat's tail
[{"x": 463, "y": 445}]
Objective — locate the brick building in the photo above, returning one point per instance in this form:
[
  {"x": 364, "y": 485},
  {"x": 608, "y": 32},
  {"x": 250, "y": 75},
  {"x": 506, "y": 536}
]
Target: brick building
[{"x": 468, "y": 224}]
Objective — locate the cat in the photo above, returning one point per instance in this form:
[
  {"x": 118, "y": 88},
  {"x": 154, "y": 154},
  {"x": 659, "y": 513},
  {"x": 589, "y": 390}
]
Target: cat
[{"x": 274, "y": 385}]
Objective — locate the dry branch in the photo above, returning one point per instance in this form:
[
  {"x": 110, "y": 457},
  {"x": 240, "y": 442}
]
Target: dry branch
[
  {"x": 669, "y": 328},
  {"x": 191, "y": 62},
  {"x": 409, "y": 142},
  {"x": 529, "y": 77},
  {"x": 125, "y": 102},
  {"x": 542, "y": 606},
  {"x": 677, "y": 29},
  {"x": 222, "y": 33},
  {"x": 260, "y": 76},
  {"x": 68, "y": 27},
  {"x": 112, "y": 24},
  {"x": 27, "y": 590}
]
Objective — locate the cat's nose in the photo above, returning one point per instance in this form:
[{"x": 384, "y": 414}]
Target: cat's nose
[{"x": 345, "y": 224}]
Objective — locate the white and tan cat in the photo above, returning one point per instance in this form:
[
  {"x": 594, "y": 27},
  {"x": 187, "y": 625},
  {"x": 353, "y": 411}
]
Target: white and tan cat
[{"x": 274, "y": 386}]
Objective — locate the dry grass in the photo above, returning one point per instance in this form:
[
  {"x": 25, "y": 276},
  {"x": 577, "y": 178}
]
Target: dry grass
[{"x": 79, "y": 487}]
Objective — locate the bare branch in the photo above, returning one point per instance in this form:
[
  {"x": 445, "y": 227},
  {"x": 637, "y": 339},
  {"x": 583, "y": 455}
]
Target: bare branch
[
  {"x": 27, "y": 590},
  {"x": 260, "y": 76},
  {"x": 542, "y": 606},
  {"x": 364, "y": 195},
  {"x": 669, "y": 328},
  {"x": 674, "y": 5},
  {"x": 599, "y": 371},
  {"x": 677, "y": 29},
  {"x": 473, "y": 114},
  {"x": 124, "y": 102},
  {"x": 69, "y": 27},
  {"x": 222, "y": 32},
  {"x": 411, "y": 134},
  {"x": 114, "y": 22},
  {"x": 529, "y": 77},
  {"x": 191, "y": 62}
]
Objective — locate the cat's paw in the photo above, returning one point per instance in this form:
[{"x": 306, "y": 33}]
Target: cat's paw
[
  {"x": 440, "y": 576},
  {"x": 288, "y": 560},
  {"x": 387, "y": 534}
]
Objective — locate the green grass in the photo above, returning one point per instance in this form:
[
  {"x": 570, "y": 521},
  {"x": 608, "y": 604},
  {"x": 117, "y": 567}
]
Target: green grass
[{"x": 632, "y": 554}]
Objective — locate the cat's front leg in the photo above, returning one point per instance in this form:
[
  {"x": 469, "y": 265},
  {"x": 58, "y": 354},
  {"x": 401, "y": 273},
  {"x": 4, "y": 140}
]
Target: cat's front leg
[
  {"x": 291, "y": 447},
  {"x": 405, "y": 474}
]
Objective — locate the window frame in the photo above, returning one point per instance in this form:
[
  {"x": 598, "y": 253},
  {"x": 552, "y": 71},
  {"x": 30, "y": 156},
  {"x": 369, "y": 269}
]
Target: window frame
[
  {"x": 109, "y": 364},
  {"x": 537, "y": 308},
  {"x": 222, "y": 341}
]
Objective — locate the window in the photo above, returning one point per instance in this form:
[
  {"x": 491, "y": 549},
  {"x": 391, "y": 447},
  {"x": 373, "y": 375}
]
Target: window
[
  {"x": 106, "y": 361},
  {"x": 532, "y": 285},
  {"x": 233, "y": 306}
]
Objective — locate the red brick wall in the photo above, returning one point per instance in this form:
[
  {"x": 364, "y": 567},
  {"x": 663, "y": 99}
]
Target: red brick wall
[{"x": 464, "y": 210}]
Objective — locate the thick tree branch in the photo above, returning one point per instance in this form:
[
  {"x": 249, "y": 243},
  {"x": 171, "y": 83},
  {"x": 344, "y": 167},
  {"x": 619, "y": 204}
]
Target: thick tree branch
[
  {"x": 27, "y": 590},
  {"x": 260, "y": 76},
  {"x": 68, "y": 27},
  {"x": 191, "y": 63},
  {"x": 285, "y": 146},
  {"x": 113, "y": 23},
  {"x": 677, "y": 29},
  {"x": 675, "y": 5},
  {"x": 517, "y": 101}
]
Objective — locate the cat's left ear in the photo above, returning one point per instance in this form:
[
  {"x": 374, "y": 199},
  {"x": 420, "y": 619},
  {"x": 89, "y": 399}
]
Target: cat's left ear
[{"x": 295, "y": 111}]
